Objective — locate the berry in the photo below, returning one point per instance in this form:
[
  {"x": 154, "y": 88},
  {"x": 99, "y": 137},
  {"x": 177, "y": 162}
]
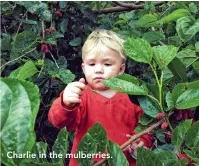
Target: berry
[
  {"x": 52, "y": 29},
  {"x": 58, "y": 13},
  {"x": 164, "y": 125},
  {"x": 178, "y": 114},
  {"x": 49, "y": 46},
  {"x": 44, "y": 48},
  {"x": 184, "y": 156},
  {"x": 168, "y": 136},
  {"x": 160, "y": 115},
  {"x": 185, "y": 115},
  {"x": 190, "y": 113}
]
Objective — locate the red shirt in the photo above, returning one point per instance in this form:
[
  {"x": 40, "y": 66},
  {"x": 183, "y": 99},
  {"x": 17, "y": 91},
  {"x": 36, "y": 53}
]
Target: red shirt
[{"x": 118, "y": 115}]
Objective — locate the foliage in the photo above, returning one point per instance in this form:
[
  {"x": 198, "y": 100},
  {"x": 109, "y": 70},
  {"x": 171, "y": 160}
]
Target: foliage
[{"x": 41, "y": 43}]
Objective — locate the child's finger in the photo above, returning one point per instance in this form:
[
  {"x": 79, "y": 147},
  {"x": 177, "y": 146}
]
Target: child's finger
[
  {"x": 140, "y": 144},
  {"x": 82, "y": 80},
  {"x": 79, "y": 85}
]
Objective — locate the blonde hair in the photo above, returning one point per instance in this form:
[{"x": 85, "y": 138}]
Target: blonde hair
[{"x": 99, "y": 38}]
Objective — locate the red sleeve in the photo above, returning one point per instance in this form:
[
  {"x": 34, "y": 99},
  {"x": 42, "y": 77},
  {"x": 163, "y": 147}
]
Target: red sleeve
[
  {"x": 60, "y": 116},
  {"x": 147, "y": 138}
]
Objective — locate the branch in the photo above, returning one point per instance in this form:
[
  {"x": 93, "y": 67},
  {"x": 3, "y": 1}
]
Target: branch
[
  {"x": 18, "y": 57},
  {"x": 123, "y": 7},
  {"x": 135, "y": 137}
]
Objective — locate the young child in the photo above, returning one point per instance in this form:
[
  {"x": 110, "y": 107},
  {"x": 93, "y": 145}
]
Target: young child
[{"x": 81, "y": 105}]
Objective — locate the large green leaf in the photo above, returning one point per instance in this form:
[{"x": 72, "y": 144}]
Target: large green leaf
[
  {"x": 75, "y": 42},
  {"x": 25, "y": 71},
  {"x": 187, "y": 57},
  {"x": 17, "y": 132},
  {"x": 148, "y": 20},
  {"x": 98, "y": 133},
  {"x": 192, "y": 139},
  {"x": 146, "y": 157},
  {"x": 116, "y": 156},
  {"x": 32, "y": 7},
  {"x": 138, "y": 50},
  {"x": 125, "y": 86},
  {"x": 186, "y": 95},
  {"x": 186, "y": 28},
  {"x": 163, "y": 55},
  {"x": 175, "y": 15},
  {"x": 169, "y": 101},
  {"x": 149, "y": 106},
  {"x": 86, "y": 146},
  {"x": 22, "y": 43},
  {"x": 153, "y": 36},
  {"x": 60, "y": 146},
  {"x": 167, "y": 157},
  {"x": 40, "y": 150},
  {"x": 179, "y": 133}
]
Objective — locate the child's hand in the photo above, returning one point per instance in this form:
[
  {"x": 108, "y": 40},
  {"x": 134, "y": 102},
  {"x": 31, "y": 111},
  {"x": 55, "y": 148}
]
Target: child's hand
[
  {"x": 72, "y": 93},
  {"x": 132, "y": 148}
]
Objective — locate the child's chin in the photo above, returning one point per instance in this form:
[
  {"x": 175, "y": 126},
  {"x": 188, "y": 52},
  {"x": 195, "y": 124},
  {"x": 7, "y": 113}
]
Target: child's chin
[{"x": 100, "y": 87}]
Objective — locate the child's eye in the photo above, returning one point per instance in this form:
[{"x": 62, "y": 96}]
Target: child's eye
[
  {"x": 91, "y": 64},
  {"x": 107, "y": 64}
]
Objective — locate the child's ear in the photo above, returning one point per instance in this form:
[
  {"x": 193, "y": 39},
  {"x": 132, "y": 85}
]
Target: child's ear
[
  {"x": 122, "y": 68},
  {"x": 83, "y": 67}
]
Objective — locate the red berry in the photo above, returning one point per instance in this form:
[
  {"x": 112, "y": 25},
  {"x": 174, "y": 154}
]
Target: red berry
[
  {"x": 178, "y": 114},
  {"x": 164, "y": 125},
  {"x": 52, "y": 29},
  {"x": 190, "y": 113},
  {"x": 44, "y": 48},
  {"x": 168, "y": 136},
  {"x": 58, "y": 13},
  {"x": 160, "y": 115},
  {"x": 184, "y": 156},
  {"x": 185, "y": 115},
  {"x": 49, "y": 46},
  {"x": 53, "y": 79}
]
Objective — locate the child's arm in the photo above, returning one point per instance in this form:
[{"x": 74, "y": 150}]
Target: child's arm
[{"x": 64, "y": 111}]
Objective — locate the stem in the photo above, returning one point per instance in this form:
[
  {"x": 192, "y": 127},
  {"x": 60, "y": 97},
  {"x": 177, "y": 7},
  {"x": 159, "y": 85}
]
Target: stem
[
  {"x": 53, "y": 59},
  {"x": 18, "y": 57},
  {"x": 135, "y": 137},
  {"x": 156, "y": 77}
]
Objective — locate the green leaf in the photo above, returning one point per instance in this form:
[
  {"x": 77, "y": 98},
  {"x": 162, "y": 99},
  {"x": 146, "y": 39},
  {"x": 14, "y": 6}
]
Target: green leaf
[
  {"x": 116, "y": 156},
  {"x": 55, "y": 35},
  {"x": 178, "y": 69},
  {"x": 63, "y": 25},
  {"x": 75, "y": 42},
  {"x": 179, "y": 133},
  {"x": 124, "y": 86},
  {"x": 5, "y": 42},
  {"x": 175, "y": 15},
  {"x": 193, "y": 8},
  {"x": 167, "y": 75},
  {"x": 98, "y": 133},
  {"x": 192, "y": 139},
  {"x": 154, "y": 36},
  {"x": 189, "y": 96},
  {"x": 197, "y": 46},
  {"x": 149, "y": 106},
  {"x": 19, "y": 98},
  {"x": 186, "y": 28},
  {"x": 187, "y": 57},
  {"x": 40, "y": 149},
  {"x": 27, "y": 70},
  {"x": 163, "y": 55},
  {"x": 148, "y": 20},
  {"x": 138, "y": 50},
  {"x": 145, "y": 119},
  {"x": 87, "y": 146},
  {"x": 196, "y": 66},
  {"x": 60, "y": 146},
  {"x": 120, "y": 22},
  {"x": 22, "y": 43},
  {"x": 65, "y": 75},
  {"x": 182, "y": 162},
  {"x": 192, "y": 156},
  {"x": 51, "y": 41},
  {"x": 62, "y": 4},
  {"x": 46, "y": 15},
  {"x": 146, "y": 157},
  {"x": 4, "y": 159},
  {"x": 32, "y": 7},
  {"x": 160, "y": 135},
  {"x": 169, "y": 101},
  {"x": 167, "y": 157},
  {"x": 174, "y": 40}
]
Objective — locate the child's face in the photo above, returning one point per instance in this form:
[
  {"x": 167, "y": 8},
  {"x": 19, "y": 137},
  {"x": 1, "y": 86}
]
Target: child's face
[{"x": 103, "y": 66}]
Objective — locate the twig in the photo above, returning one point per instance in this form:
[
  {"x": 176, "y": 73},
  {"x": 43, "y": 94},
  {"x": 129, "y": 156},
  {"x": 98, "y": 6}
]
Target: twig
[
  {"x": 53, "y": 59},
  {"x": 18, "y": 57},
  {"x": 135, "y": 137},
  {"x": 128, "y": 7},
  {"x": 43, "y": 57}
]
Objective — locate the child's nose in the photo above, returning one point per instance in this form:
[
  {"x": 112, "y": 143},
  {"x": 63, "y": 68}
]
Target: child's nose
[{"x": 98, "y": 68}]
